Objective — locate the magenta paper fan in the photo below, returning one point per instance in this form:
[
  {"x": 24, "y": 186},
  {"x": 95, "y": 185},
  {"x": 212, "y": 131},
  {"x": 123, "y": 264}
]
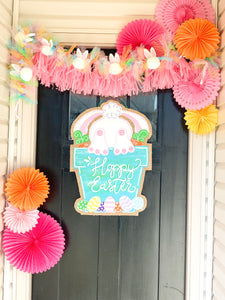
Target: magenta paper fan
[
  {"x": 19, "y": 220},
  {"x": 171, "y": 13},
  {"x": 141, "y": 32},
  {"x": 197, "y": 93},
  {"x": 37, "y": 250}
]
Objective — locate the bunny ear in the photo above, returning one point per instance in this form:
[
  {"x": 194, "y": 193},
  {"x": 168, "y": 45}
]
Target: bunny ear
[
  {"x": 153, "y": 53},
  {"x": 79, "y": 52},
  {"x": 147, "y": 53},
  {"x": 117, "y": 58},
  {"x": 51, "y": 43},
  {"x": 44, "y": 42},
  {"x": 111, "y": 58},
  {"x": 16, "y": 67},
  {"x": 85, "y": 54}
]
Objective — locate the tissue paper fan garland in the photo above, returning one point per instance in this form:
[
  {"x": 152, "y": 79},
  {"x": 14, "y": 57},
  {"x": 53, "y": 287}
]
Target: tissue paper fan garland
[
  {"x": 18, "y": 220},
  {"x": 197, "y": 38},
  {"x": 37, "y": 250},
  {"x": 33, "y": 242},
  {"x": 198, "y": 91},
  {"x": 172, "y": 13},
  {"x": 146, "y": 60},
  {"x": 202, "y": 121},
  {"x": 27, "y": 188},
  {"x": 143, "y": 32}
]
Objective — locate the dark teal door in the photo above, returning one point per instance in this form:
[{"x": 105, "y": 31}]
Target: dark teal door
[{"x": 116, "y": 258}]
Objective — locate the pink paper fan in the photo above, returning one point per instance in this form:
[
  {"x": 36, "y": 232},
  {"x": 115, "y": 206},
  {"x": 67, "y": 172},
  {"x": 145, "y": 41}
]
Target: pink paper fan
[
  {"x": 37, "y": 250},
  {"x": 197, "y": 93},
  {"x": 171, "y": 13},
  {"x": 20, "y": 220},
  {"x": 141, "y": 32}
]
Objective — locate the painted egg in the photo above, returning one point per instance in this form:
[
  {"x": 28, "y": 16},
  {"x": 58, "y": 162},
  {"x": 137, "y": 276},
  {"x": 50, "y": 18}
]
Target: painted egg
[
  {"x": 82, "y": 205},
  {"x": 109, "y": 204},
  {"x": 93, "y": 204},
  {"x": 138, "y": 203},
  {"x": 101, "y": 207},
  {"x": 118, "y": 208},
  {"x": 126, "y": 203}
]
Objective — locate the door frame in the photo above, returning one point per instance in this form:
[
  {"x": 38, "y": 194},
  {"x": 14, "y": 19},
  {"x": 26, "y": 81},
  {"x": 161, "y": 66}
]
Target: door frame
[
  {"x": 200, "y": 198},
  {"x": 200, "y": 204}
]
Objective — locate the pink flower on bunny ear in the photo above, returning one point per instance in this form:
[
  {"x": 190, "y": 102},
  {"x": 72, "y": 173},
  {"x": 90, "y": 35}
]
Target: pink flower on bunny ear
[
  {"x": 153, "y": 62},
  {"x": 114, "y": 67},
  {"x": 80, "y": 60}
]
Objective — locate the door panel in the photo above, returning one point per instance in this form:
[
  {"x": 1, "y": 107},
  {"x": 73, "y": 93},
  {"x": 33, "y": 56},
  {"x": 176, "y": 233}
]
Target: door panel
[{"x": 116, "y": 258}]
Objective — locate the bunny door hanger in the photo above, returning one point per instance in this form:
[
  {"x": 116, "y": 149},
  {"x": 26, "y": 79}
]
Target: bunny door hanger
[{"x": 110, "y": 155}]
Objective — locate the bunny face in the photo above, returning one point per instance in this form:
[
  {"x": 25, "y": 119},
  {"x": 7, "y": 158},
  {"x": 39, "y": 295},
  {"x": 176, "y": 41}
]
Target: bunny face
[
  {"x": 114, "y": 67},
  {"x": 153, "y": 62},
  {"x": 47, "y": 47},
  {"x": 81, "y": 59}
]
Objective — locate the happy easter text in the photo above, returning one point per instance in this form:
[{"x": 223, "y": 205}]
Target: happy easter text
[{"x": 112, "y": 177}]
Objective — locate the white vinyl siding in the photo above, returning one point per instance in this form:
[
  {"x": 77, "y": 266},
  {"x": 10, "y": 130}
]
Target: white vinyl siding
[
  {"x": 219, "y": 226},
  {"x": 88, "y": 22},
  {"x": 5, "y": 30}
]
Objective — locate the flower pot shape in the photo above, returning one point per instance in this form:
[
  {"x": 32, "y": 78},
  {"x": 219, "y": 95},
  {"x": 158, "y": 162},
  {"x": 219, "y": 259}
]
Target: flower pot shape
[{"x": 110, "y": 184}]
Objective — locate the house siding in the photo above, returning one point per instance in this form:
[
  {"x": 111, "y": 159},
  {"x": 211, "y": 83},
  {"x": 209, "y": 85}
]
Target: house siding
[
  {"x": 219, "y": 215},
  {"x": 88, "y": 22},
  {"x": 5, "y": 29}
]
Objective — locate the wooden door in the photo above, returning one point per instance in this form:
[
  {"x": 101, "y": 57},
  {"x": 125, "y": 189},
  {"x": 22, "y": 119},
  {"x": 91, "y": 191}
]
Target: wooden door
[{"x": 116, "y": 258}]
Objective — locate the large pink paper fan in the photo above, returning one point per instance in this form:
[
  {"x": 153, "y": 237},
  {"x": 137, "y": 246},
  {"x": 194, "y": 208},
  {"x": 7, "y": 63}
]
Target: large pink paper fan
[
  {"x": 143, "y": 32},
  {"x": 37, "y": 250},
  {"x": 19, "y": 220},
  {"x": 171, "y": 13},
  {"x": 197, "y": 93}
]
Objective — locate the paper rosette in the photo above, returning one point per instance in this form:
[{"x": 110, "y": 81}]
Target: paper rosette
[
  {"x": 202, "y": 121},
  {"x": 37, "y": 250},
  {"x": 143, "y": 32},
  {"x": 197, "y": 92},
  {"x": 197, "y": 38},
  {"x": 27, "y": 188},
  {"x": 20, "y": 220},
  {"x": 172, "y": 13}
]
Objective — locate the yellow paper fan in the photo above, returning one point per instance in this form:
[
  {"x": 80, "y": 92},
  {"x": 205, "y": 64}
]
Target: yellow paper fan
[{"x": 202, "y": 121}]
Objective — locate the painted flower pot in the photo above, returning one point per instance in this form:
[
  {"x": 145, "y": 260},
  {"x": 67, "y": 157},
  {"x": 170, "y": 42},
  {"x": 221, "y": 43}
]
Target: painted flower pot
[{"x": 110, "y": 184}]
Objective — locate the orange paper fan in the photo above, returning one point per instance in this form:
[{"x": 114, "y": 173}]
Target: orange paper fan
[
  {"x": 197, "y": 38},
  {"x": 27, "y": 188}
]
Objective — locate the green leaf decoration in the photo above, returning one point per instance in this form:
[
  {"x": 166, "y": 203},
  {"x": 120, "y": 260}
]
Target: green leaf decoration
[
  {"x": 77, "y": 134},
  {"x": 142, "y": 135},
  {"x": 135, "y": 136},
  {"x": 80, "y": 138},
  {"x": 85, "y": 138},
  {"x": 79, "y": 141}
]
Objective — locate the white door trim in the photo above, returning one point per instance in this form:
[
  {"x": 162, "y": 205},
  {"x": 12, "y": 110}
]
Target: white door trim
[
  {"x": 200, "y": 211},
  {"x": 200, "y": 201}
]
